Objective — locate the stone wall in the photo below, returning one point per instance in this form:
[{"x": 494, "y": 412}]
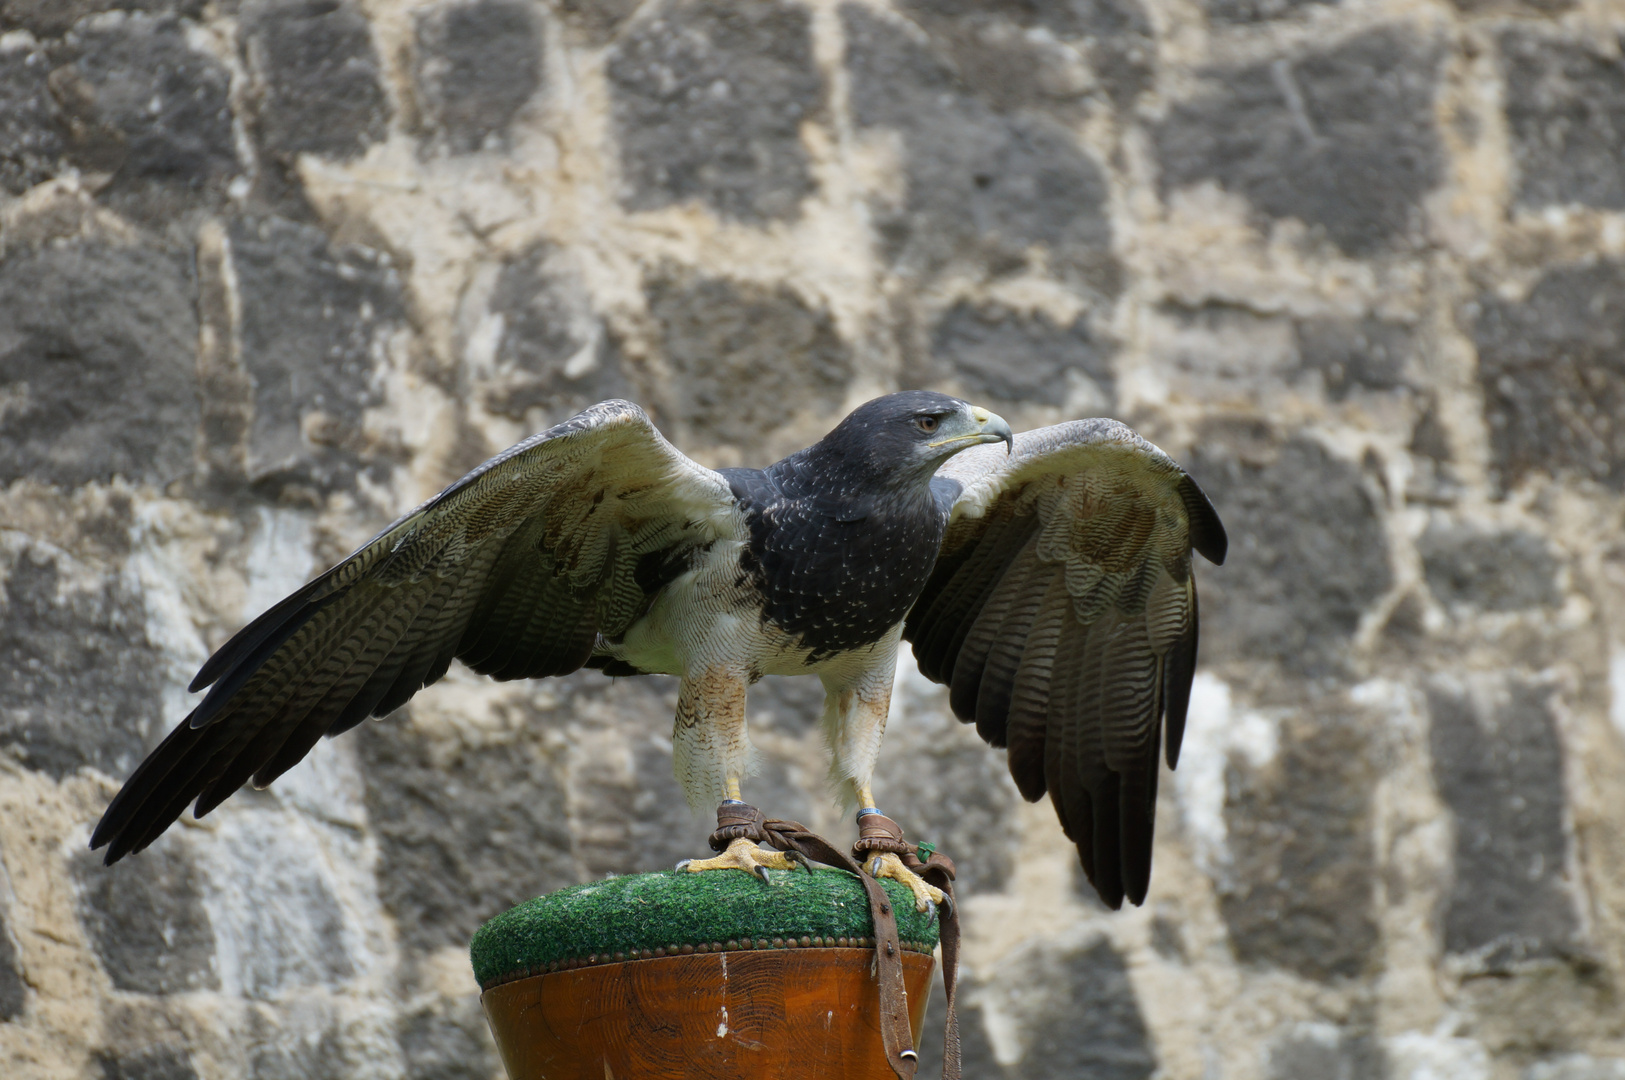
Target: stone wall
[{"x": 273, "y": 270}]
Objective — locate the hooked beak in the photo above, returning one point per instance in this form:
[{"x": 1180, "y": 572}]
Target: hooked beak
[
  {"x": 990, "y": 427},
  {"x": 994, "y": 428}
]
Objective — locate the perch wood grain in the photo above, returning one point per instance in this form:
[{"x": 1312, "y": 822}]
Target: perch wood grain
[{"x": 801, "y": 1014}]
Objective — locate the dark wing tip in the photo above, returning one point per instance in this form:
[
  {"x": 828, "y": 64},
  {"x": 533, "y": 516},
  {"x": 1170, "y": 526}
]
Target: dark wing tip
[
  {"x": 1109, "y": 887},
  {"x": 105, "y": 829},
  {"x": 261, "y": 637},
  {"x": 148, "y": 797},
  {"x": 1207, "y": 531},
  {"x": 115, "y": 852}
]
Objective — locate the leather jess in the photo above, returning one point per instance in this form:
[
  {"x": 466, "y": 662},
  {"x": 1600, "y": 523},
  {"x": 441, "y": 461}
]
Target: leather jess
[{"x": 877, "y": 834}]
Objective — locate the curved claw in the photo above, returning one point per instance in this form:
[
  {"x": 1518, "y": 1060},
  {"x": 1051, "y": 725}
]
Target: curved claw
[
  {"x": 931, "y": 913},
  {"x": 888, "y": 865},
  {"x": 741, "y": 854},
  {"x": 682, "y": 865},
  {"x": 799, "y": 859}
]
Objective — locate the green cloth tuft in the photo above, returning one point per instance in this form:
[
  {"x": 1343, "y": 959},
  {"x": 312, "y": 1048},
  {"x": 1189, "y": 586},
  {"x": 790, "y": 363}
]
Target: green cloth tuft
[{"x": 627, "y": 915}]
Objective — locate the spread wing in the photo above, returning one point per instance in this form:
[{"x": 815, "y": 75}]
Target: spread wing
[
  {"x": 1062, "y": 615},
  {"x": 516, "y": 569}
]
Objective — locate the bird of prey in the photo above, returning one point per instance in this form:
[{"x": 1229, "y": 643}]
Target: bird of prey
[{"x": 1047, "y": 581}]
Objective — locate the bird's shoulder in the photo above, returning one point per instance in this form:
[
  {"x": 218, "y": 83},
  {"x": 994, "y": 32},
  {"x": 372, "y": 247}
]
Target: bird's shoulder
[
  {"x": 945, "y": 491},
  {"x": 753, "y": 489}
]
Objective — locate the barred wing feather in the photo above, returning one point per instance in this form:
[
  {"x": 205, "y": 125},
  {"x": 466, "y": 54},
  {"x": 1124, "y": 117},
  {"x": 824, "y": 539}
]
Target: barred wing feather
[
  {"x": 1062, "y": 616},
  {"x": 517, "y": 568}
]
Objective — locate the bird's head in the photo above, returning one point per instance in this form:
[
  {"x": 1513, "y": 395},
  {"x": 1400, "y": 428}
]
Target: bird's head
[{"x": 910, "y": 434}]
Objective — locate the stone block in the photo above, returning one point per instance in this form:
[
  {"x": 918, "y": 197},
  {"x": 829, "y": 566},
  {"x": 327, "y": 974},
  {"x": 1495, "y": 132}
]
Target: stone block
[
  {"x": 975, "y": 1050},
  {"x": 1069, "y": 18},
  {"x": 98, "y": 360},
  {"x": 1166, "y": 938},
  {"x": 13, "y": 991},
  {"x": 275, "y": 897},
  {"x": 1498, "y": 765},
  {"x": 1222, "y": 351},
  {"x": 982, "y": 185},
  {"x": 1576, "y": 1067},
  {"x": 1355, "y": 354},
  {"x": 1078, "y": 1015},
  {"x": 1007, "y": 52},
  {"x": 145, "y": 918},
  {"x": 708, "y": 99},
  {"x": 1011, "y": 356},
  {"x": 552, "y": 350},
  {"x": 1539, "y": 7},
  {"x": 1307, "y": 552},
  {"x": 314, "y": 1053},
  {"x": 80, "y": 682},
  {"x": 316, "y": 323},
  {"x": 1565, "y": 108},
  {"x": 33, "y": 138},
  {"x": 52, "y": 18},
  {"x": 661, "y": 829},
  {"x": 1491, "y": 571},
  {"x": 1309, "y": 1049},
  {"x": 1342, "y": 139},
  {"x": 478, "y": 63},
  {"x": 627, "y": 813},
  {"x": 155, "y": 1063},
  {"x": 1430, "y": 438},
  {"x": 1553, "y": 374},
  {"x": 152, "y": 110},
  {"x": 1298, "y": 892},
  {"x": 465, "y": 832},
  {"x": 1241, "y": 12},
  {"x": 318, "y": 77},
  {"x": 596, "y": 22},
  {"x": 448, "y": 1041},
  {"x": 745, "y": 357}
]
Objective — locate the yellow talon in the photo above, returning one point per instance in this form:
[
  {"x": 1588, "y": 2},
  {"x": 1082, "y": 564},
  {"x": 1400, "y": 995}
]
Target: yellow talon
[
  {"x": 743, "y": 855},
  {"x": 888, "y": 865}
]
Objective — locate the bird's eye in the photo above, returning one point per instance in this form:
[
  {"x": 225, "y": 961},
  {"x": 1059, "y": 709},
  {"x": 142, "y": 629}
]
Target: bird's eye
[{"x": 927, "y": 424}]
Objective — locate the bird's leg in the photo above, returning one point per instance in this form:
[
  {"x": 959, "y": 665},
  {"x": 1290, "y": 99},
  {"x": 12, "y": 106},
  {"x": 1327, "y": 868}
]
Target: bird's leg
[
  {"x": 855, "y": 710},
  {"x": 738, "y": 830},
  {"x": 711, "y": 750},
  {"x": 880, "y": 847}
]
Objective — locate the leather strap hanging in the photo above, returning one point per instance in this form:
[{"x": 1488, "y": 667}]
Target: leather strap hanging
[
  {"x": 737, "y": 820},
  {"x": 938, "y": 870}
]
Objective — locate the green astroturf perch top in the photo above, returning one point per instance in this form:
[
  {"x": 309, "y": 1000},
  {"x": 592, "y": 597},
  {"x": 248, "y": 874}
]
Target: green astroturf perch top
[{"x": 647, "y": 915}]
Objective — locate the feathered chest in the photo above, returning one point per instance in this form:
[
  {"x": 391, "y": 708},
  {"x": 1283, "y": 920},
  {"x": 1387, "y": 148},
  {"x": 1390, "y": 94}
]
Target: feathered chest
[{"x": 840, "y": 579}]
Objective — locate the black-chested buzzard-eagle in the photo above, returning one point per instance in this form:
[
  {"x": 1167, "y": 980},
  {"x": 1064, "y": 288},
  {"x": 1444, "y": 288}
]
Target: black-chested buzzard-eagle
[{"x": 1047, "y": 582}]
